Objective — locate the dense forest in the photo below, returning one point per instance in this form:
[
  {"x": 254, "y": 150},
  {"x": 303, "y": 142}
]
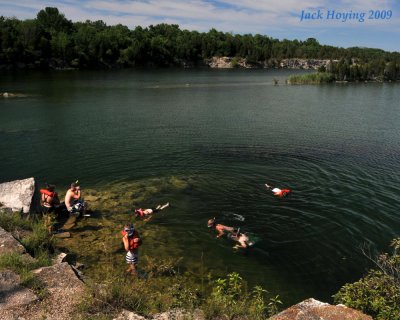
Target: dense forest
[{"x": 52, "y": 41}]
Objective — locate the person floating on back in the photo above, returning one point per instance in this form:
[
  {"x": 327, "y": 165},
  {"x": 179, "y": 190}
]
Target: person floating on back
[
  {"x": 219, "y": 227},
  {"x": 146, "y": 214},
  {"x": 73, "y": 200},
  {"x": 278, "y": 192},
  {"x": 131, "y": 241}
]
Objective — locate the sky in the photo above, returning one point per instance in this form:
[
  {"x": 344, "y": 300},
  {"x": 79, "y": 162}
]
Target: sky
[{"x": 278, "y": 19}]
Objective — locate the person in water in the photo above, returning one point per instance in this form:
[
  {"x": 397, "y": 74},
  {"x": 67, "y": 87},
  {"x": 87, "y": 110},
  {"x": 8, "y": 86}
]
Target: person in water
[
  {"x": 219, "y": 227},
  {"x": 242, "y": 239},
  {"x": 147, "y": 213},
  {"x": 73, "y": 200},
  {"x": 131, "y": 241},
  {"x": 49, "y": 199},
  {"x": 278, "y": 192}
]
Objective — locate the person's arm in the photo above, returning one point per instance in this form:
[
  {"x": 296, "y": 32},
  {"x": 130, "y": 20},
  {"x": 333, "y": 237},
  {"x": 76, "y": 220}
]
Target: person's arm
[
  {"x": 77, "y": 194},
  {"x": 220, "y": 233},
  {"x": 67, "y": 199},
  {"x": 125, "y": 242}
]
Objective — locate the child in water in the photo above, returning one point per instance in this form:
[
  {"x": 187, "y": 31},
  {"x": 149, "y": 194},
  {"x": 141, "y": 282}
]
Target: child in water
[
  {"x": 278, "y": 192},
  {"x": 146, "y": 214}
]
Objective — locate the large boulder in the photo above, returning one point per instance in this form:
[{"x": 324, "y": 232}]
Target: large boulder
[
  {"x": 19, "y": 195},
  {"x": 312, "y": 309}
]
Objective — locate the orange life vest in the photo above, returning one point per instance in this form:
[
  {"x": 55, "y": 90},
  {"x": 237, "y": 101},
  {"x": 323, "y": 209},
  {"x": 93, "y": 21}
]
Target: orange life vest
[
  {"x": 131, "y": 240},
  {"x": 46, "y": 194},
  {"x": 283, "y": 192}
]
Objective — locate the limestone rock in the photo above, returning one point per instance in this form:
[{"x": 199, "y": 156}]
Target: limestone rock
[
  {"x": 178, "y": 314},
  {"x": 127, "y": 315},
  {"x": 17, "y": 195},
  {"x": 312, "y": 309},
  {"x": 12, "y": 294},
  {"x": 59, "y": 276},
  {"x": 8, "y": 244},
  {"x": 60, "y": 258}
]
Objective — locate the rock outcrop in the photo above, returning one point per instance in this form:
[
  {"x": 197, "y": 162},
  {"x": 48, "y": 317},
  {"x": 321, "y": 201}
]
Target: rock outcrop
[
  {"x": 311, "y": 309},
  {"x": 8, "y": 244},
  {"x": 12, "y": 294},
  {"x": 18, "y": 195},
  {"x": 176, "y": 314},
  {"x": 63, "y": 289}
]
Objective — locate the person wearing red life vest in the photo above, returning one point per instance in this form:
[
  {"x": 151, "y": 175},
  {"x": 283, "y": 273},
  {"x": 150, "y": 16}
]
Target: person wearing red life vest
[
  {"x": 278, "y": 192},
  {"x": 131, "y": 241},
  {"x": 49, "y": 199}
]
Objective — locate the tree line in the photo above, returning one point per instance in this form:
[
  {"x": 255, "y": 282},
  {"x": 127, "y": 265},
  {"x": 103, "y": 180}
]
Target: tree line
[{"x": 52, "y": 41}]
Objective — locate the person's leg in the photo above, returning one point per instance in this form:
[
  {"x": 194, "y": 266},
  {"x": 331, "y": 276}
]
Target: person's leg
[
  {"x": 164, "y": 206},
  {"x": 132, "y": 260}
]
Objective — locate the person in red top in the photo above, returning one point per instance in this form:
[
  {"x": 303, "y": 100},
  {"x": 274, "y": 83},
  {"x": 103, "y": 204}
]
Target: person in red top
[
  {"x": 278, "y": 192},
  {"x": 219, "y": 227},
  {"x": 49, "y": 199},
  {"x": 131, "y": 241},
  {"x": 146, "y": 214}
]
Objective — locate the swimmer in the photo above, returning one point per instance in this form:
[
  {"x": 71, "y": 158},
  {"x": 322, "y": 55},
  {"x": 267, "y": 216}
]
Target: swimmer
[
  {"x": 278, "y": 192},
  {"x": 147, "y": 213},
  {"x": 219, "y": 227},
  {"x": 242, "y": 239}
]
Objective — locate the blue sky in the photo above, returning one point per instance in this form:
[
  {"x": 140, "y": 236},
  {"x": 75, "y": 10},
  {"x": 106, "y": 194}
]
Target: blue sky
[{"x": 278, "y": 19}]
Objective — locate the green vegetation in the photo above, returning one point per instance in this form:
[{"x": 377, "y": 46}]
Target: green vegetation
[
  {"x": 23, "y": 266},
  {"x": 162, "y": 287},
  {"x": 53, "y": 41},
  {"x": 34, "y": 236},
  {"x": 311, "y": 78},
  {"x": 378, "y": 293}
]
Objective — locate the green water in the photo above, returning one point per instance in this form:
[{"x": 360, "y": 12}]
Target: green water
[{"x": 207, "y": 141}]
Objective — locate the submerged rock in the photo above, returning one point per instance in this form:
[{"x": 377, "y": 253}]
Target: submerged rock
[
  {"x": 18, "y": 195},
  {"x": 314, "y": 309}
]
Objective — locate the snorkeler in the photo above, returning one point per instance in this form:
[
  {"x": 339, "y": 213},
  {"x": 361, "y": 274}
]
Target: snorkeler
[
  {"x": 242, "y": 239},
  {"x": 143, "y": 213},
  {"x": 219, "y": 227},
  {"x": 131, "y": 241},
  {"x": 278, "y": 192}
]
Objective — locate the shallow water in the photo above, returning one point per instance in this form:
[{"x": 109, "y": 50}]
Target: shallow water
[{"x": 207, "y": 141}]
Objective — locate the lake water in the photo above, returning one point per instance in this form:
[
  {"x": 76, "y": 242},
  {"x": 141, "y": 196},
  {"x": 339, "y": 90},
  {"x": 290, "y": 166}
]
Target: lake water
[{"x": 207, "y": 141}]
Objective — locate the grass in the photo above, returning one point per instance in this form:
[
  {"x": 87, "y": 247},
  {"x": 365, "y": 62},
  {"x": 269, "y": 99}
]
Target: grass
[
  {"x": 38, "y": 242},
  {"x": 311, "y": 78},
  {"x": 161, "y": 287}
]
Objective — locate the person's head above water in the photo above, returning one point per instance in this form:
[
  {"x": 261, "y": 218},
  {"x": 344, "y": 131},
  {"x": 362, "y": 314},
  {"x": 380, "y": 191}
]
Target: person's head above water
[
  {"x": 129, "y": 229},
  {"x": 211, "y": 223}
]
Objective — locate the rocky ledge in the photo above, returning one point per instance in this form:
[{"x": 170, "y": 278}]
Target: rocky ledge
[{"x": 235, "y": 62}]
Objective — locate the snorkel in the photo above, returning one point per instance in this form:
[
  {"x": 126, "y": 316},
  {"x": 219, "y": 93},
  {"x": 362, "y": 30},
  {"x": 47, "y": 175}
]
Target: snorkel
[{"x": 130, "y": 230}]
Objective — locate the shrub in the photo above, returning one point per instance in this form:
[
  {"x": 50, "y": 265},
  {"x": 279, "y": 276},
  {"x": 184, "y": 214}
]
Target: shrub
[{"x": 378, "y": 293}]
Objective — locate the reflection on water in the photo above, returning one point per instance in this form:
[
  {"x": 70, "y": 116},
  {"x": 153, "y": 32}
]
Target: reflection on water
[{"x": 207, "y": 141}]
